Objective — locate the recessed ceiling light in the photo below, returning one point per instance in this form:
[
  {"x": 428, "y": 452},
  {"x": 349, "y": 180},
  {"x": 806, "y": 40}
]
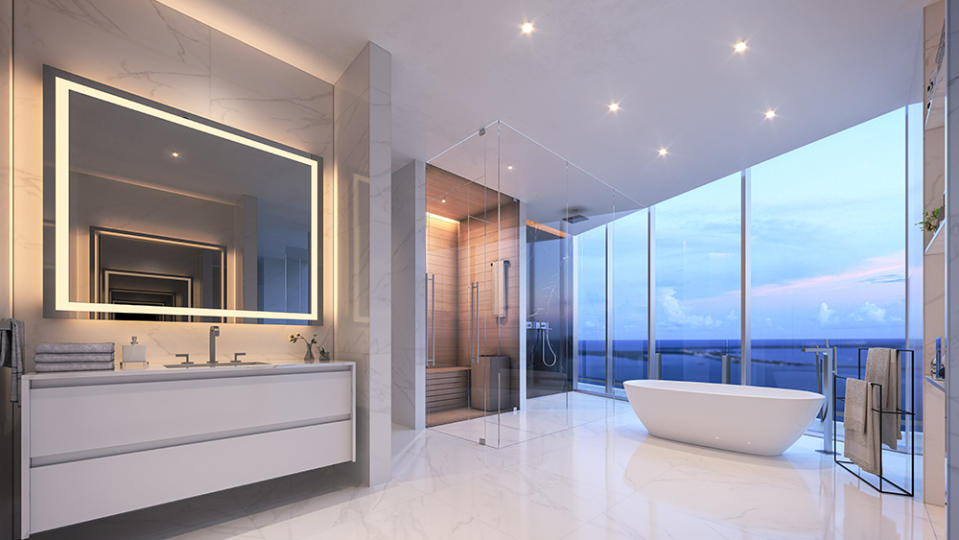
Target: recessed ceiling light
[
  {"x": 509, "y": 167},
  {"x": 740, "y": 47},
  {"x": 527, "y": 28},
  {"x": 613, "y": 107},
  {"x": 663, "y": 151},
  {"x": 443, "y": 201},
  {"x": 175, "y": 154},
  {"x": 770, "y": 114}
]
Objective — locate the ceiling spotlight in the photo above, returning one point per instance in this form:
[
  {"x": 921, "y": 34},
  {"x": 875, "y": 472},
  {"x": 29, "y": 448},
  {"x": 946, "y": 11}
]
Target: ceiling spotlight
[
  {"x": 443, "y": 201},
  {"x": 509, "y": 167},
  {"x": 663, "y": 151},
  {"x": 613, "y": 107},
  {"x": 770, "y": 114},
  {"x": 175, "y": 154},
  {"x": 527, "y": 28},
  {"x": 740, "y": 47}
]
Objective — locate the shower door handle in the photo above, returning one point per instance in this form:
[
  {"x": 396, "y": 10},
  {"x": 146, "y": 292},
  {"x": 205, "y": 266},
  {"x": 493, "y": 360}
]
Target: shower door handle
[{"x": 433, "y": 318}]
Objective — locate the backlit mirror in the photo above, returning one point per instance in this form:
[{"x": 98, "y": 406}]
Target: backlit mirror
[{"x": 151, "y": 213}]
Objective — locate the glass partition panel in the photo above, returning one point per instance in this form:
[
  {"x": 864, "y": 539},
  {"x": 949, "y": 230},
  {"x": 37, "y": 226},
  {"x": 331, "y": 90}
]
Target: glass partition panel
[
  {"x": 827, "y": 252},
  {"x": 698, "y": 283},
  {"x": 629, "y": 236},
  {"x": 591, "y": 309}
]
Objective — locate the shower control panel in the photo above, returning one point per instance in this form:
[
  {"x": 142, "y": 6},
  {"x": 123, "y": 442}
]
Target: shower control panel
[{"x": 533, "y": 325}]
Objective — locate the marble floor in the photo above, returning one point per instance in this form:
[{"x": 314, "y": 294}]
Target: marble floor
[{"x": 590, "y": 472}]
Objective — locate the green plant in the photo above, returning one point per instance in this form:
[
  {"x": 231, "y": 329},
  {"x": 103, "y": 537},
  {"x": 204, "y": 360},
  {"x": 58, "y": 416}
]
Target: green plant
[
  {"x": 297, "y": 337},
  {"x": 931, "y": 220}
]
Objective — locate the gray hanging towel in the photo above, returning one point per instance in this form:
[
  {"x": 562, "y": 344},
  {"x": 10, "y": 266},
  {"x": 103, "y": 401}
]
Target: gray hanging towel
[
  {"x": 11, "y": 355},
  {"x": 882, "y": 367}
]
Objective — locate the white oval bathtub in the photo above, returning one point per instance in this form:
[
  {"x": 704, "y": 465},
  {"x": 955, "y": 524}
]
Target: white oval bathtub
[{"x": 751, "y": 419}]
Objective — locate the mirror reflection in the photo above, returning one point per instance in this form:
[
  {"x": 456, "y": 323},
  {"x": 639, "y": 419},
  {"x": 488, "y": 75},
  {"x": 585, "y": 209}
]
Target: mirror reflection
[{"x": 159, "y": 215}]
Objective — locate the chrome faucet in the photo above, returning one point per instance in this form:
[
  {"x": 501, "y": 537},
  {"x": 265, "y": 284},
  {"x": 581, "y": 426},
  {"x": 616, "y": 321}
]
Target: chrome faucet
[{"x": 214, "y": 332}]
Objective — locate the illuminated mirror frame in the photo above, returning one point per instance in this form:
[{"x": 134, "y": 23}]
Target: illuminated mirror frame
[{"x": 57, "y": 86}]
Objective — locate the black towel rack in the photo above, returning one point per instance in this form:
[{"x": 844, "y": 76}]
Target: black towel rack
[{"x": 881, "y": 482}]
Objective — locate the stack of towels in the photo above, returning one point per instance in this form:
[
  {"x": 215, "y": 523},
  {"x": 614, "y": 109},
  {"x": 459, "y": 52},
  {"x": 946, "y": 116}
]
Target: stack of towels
[
  {"x": 74, "y": 357},
  {"x": 861, "y": 423}
]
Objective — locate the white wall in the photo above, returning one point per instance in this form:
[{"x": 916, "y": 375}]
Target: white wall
[
  {"x": 363, "y": 137},
  {"x": 409, "y": 296},
  {"x": 146, "y": 48}
]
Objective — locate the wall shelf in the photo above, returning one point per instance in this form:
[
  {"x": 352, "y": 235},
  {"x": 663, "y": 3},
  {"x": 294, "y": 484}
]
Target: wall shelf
[{"x": 937, "y": 244}]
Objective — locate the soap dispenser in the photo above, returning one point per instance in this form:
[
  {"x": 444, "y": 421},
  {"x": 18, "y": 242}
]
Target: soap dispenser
[{"x": 134, "y": 353}]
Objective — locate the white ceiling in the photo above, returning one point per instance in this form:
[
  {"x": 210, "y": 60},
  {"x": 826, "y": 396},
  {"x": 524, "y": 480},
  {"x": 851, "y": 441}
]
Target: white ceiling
[{"x": 824, "y": 65}]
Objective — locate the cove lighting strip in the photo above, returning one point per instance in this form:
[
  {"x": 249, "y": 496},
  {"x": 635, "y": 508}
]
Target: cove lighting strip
[{"x": 63, "y": 87}]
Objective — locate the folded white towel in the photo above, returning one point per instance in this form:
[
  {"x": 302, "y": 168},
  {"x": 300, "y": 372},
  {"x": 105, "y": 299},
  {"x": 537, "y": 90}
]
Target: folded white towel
[
  {"x": 882, "y": 367},
  {"x": 74, "y": 358},
  {"x": 77, "y": 348},
  {"x": 862, "y": 446}
]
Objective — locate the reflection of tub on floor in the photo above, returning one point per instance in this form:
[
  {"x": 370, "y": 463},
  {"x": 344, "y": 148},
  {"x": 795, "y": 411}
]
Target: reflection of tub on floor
[
  {"x": 696, "y": 492},
  {"x": 750, "y": 419}
]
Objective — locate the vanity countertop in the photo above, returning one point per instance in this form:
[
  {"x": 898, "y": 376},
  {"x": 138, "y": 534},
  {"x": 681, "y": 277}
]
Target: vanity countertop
[{"x": 158, "y": 371}]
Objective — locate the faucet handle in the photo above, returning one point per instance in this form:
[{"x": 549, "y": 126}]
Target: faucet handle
[
  {"x": 186, "y": 360},
  {"x": 236, "y": 357}
]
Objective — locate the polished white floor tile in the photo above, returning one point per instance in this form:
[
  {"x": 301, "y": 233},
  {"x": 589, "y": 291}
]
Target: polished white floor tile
[{"x": 592, "y": 472}]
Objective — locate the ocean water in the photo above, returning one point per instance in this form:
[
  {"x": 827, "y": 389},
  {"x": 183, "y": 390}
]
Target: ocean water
[{"x": 779, "y": 363}]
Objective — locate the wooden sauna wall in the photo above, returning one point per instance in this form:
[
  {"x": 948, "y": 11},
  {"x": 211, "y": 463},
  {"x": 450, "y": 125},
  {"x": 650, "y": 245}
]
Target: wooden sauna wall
[
  {"x": 497, "y": 336},
  {"x": 441, "y": 259}
]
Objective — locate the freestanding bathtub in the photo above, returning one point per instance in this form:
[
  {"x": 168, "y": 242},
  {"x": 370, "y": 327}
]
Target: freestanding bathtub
[{"x": 750, "y": 419}]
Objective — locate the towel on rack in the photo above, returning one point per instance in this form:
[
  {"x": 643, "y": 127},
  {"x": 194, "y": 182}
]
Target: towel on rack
[
  {"x": 46, "y": 358},
  {"x": 11, "y": 355},
  {"x": 75, "y": 348},
  {"x": 73, "y": 366},
  {"x": 861, "y": 428},
  {"x": 882, "y": 367}
]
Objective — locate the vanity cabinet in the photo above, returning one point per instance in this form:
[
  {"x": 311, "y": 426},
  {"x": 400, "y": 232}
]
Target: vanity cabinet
[{"x": 97, "y": 444}]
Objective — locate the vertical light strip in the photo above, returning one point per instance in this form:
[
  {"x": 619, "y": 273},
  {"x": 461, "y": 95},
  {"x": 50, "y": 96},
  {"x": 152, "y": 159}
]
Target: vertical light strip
[
  {"x": 746, "y": 278},
  {"x": 62, "y": 190},
  {"x": 314, "y": 241},
  {"x": 10, "y": 146},
  {"x": 655, "y": 368}
]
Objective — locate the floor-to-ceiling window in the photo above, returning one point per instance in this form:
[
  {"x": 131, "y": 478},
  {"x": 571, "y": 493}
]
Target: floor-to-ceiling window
[
  {"x": 630, "y": 314},
  {"x": 590, "y": 249},
  {"x": 828, "y": 254},
  {"x": 827, "y": 238},
  {"x": 697, "y": 238}
]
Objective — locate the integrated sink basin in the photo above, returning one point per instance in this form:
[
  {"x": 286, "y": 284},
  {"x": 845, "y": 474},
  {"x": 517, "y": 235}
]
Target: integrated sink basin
[{"x": 218, "y": 364}]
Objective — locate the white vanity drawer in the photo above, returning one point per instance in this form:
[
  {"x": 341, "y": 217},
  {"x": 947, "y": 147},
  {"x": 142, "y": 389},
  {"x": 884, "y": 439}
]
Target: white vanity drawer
[
  {"x": 79, "y": 491},
  {"x": 75, "y": 422}
]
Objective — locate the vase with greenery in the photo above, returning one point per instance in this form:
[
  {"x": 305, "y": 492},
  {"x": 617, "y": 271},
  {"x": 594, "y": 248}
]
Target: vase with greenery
[
  {"x": 931, "y": 220},
  {"x": 308, "y": 357}
]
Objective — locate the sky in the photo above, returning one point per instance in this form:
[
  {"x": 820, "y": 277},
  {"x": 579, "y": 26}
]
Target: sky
[{"x": 828, "y": 247}]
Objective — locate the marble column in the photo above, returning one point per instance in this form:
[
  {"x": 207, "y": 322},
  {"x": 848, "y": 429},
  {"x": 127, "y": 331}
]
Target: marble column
[
  {"x": 409, "y": 296},
  {"x": 362, "y": 149},
  {"x": 952, "y": 266}
]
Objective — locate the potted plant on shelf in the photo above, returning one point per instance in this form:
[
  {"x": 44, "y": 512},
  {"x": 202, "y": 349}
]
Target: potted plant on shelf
[
  {"x": 931, "y": 220},
  {"x": 308, "y": 357}
]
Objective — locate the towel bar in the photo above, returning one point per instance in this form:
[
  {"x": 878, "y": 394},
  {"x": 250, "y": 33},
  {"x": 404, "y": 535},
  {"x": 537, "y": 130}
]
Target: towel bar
[{"x": 899, "y": 412}]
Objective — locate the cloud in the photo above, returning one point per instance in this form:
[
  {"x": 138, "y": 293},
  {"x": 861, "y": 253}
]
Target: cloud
[
  {"x": 676, "y": 313},
  {"x": 825, "y": 314},
  {"x": 874, "y": 270},
  {"x": 873, "y": 312}
]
